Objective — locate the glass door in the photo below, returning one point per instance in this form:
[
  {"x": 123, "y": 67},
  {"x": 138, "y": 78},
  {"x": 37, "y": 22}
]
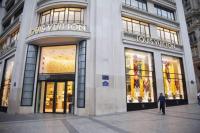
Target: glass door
[
  {"x": 70, "y": 97},
  {"x": 49, "y": 98},
  {"x": 60, "y": 100},
  {"x": 58, "y": 97}
]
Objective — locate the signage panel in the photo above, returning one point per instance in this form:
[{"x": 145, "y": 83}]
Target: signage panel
[
  {"x": 155, "y": 42},
  {"x": 58, "y": 27}
]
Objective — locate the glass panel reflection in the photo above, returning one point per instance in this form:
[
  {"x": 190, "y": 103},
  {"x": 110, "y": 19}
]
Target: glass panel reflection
[
  {"x": 173, "y": 77},
  {"x": 70, "y": 97},
  {"x": 49, "y": 97},
  {"x": 139, "y": 79},
  {"x": 62, "y": 15},
  {"x": 58, "y": 59},
  {"x": 60, "y": 96},
  {"x": 7, "y": 81}
]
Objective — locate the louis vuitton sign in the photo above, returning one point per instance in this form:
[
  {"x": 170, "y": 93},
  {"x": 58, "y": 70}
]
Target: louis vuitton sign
[
  {"x": 58, "y": 27},
  {"x": 155, "y": 42}
]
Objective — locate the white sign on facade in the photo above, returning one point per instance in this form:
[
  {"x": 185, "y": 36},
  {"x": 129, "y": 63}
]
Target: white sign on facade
[
  {"x": 58, "y": 27},
  {"x": 155, "y": 42}
]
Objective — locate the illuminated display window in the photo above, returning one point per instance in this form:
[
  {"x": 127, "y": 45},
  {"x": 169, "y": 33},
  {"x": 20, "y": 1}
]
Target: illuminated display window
[
  {"x": 136, "y": 27},
  {"x": 139, "y": 77},
  {"x": 58, "y": 59},
  {"x": 173, "y": 77},
  {"x": 6, "y": 84},
  {"x": 61, "y": 15},
  {"x": 167, "y": 35}
]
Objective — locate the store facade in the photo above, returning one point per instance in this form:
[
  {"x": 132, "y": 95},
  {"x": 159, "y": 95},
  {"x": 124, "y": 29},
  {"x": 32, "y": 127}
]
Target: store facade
[
  {"x": 61, "y": 60},
  {"x": 73, "y": 60}
]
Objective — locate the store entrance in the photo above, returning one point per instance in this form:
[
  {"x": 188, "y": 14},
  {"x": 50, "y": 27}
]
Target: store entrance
[
  {"x": 57, "y": 96},
  {"x": 56, "y": 77}
]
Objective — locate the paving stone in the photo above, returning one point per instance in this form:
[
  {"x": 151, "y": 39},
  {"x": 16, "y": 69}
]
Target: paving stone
[{"x": 179, "y": 119}]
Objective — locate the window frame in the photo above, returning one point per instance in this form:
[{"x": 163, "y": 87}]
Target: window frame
[
  {"x": 182, "y": 75},
  {"x": 65, "y": 17},
  {"x": 169, "y": 14},
  {"x": 172, "y": 33},
  {"x": 134, "y": 22},
  {"x": 152, "y": 71}
]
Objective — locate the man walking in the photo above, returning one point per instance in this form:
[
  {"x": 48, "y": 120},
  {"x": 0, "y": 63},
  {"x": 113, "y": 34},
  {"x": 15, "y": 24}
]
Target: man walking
[
  {"x": 198, "y": 97},
  {"x": 162, "y": 101}
]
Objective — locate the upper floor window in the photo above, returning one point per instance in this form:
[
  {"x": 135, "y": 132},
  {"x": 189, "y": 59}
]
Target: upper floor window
[
  {"x": 140, "y": 4},
  {"x": 61, "y": 15},
  {"x": 189, "y": 23},
  {"x": 194, "y": 51},
  {"x": 14, "y": 36},
  {"x": 186, "y": 4},
  {"x": 1, "y": 3},
  {"x": 166, "y": 13},
  {"x": 192, "y": 37},
  {"x": 18, "y": 13},
  {"x": 6, "y": 24},
  {"x": 135, "y": 26},
  {"x": 167, "y": 35},
  {"x": 4, "y": 44}
]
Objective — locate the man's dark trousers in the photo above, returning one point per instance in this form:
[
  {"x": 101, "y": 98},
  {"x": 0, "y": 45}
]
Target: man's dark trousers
[{"x": 162, "y": 106}]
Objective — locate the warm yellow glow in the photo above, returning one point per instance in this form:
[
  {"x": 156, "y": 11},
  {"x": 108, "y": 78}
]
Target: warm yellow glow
[
  {"x": 70, "y": 85},
  {"x": 60, "y": 96},
  {"x": 139, "y": 77},
  {"x": 58, "y": 59},
  {"x": 7, "y": 82},
  {"x": 172, "y": 76},
  {"x": 49, "y": 97}
]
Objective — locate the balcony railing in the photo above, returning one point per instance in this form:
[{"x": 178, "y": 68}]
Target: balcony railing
[
  {"x": 15, "y": 22},
  {"x": 43, "y": 1}
]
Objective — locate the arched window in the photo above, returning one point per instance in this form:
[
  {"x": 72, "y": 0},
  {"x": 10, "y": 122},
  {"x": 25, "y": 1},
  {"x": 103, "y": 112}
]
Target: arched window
[{"x": 62, "y": 15}]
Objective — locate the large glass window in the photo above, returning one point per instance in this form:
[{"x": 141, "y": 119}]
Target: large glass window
[
  {"x": 29, "y": 75},
  {"x": 167, "y": 35},
  {"x": 139, "y": 4},
  {"x": 166, "y": 13},
  {"x": 173, "y": 77},
  {"x": 60, "y": 15},
  {"x": 58, "y": 59},
  {"x": 139, "y": 76},
  {"x": 81, "y": 75},
  {"x": 6, "y": 84},
  {"x": 135, "y": 27}
]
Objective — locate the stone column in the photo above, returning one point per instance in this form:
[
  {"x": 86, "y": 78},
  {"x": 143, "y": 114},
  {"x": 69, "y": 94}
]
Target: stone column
[
  {"x": 158, "y": 73},
  {"x": 20, "y": 56},
  {"x": 188, "y": 63},
  {"x": 110, "y": 60}
]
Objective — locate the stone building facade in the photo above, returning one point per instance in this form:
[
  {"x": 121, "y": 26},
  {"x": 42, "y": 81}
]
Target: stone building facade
[
  {"x": 192, "y": 14},
  {"x": 93, "y": 57}
]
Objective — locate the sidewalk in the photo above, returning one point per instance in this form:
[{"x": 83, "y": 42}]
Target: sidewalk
[{"x": 180, "y": 119}]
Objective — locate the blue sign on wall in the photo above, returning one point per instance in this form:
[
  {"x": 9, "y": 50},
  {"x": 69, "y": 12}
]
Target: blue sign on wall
[
  {"x": 105, "y": 77},
  {"x": 105, "y": 83}
]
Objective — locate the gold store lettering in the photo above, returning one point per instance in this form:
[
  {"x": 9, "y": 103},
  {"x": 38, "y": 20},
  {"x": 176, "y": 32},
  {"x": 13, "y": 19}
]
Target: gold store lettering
[
  {"x": 58, "y": 27},
  {"x": 156, "y": 42}
]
